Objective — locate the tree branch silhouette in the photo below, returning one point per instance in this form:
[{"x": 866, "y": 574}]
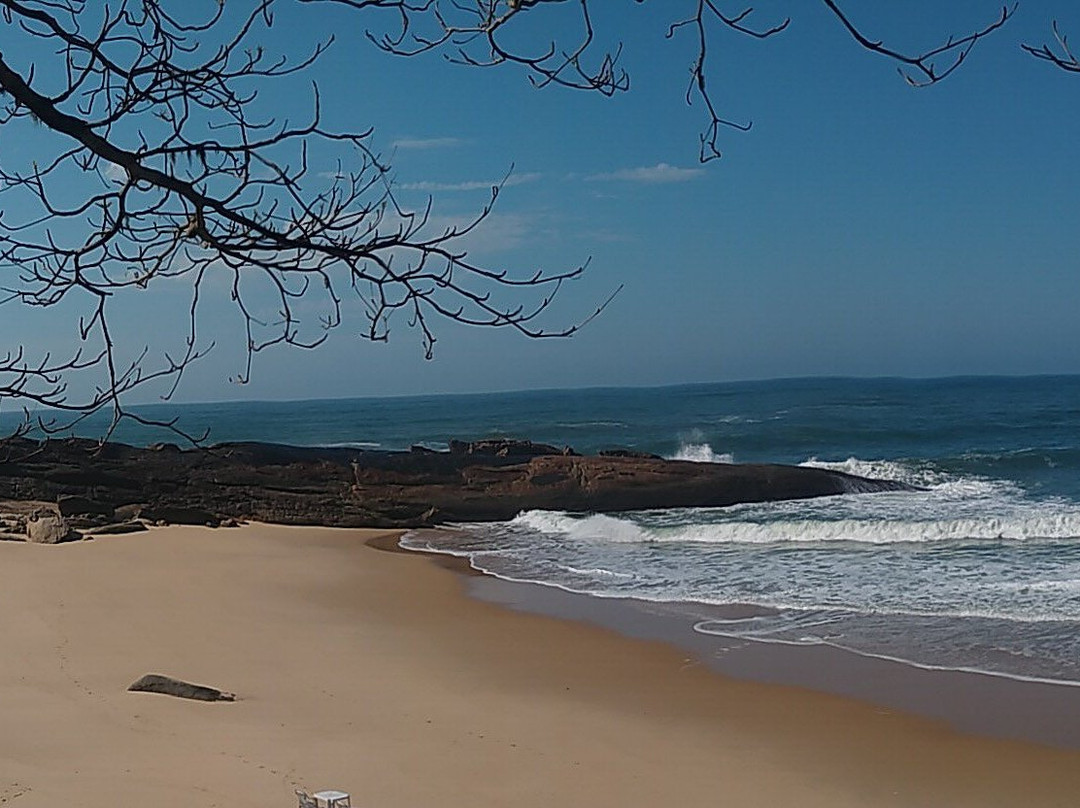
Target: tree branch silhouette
[
  {"x": 489, "y": 33},
  {"x": 1063, "y": 57},
  {"x": 151, "y": 164}
]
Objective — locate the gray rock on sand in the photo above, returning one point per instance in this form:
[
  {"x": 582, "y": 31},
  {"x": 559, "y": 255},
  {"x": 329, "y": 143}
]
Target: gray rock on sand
[
  {"x": 49, "y": 529},
  {"x": 166, "y": 685},
  {"x": 116, "y": 529}
]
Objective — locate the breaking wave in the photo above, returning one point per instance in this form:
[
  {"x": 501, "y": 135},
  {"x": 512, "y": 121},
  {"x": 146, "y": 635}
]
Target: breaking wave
[
  {"x": 700, "y": 453},
  {"x": 1032, "y": 523}
]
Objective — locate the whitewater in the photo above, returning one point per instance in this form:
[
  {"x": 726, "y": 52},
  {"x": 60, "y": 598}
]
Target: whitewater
[{"x": 979, "y": 570}]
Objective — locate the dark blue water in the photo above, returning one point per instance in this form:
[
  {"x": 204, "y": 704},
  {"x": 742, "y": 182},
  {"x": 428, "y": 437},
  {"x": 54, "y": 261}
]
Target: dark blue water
[{"x": 980, "y": 571}]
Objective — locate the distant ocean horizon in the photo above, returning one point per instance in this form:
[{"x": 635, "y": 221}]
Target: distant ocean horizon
[{"x": 978, "y": 571}]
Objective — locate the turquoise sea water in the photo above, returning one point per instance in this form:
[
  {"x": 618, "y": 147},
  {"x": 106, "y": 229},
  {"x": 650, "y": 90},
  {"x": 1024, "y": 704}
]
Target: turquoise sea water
[{"x": 979, "y": 571}]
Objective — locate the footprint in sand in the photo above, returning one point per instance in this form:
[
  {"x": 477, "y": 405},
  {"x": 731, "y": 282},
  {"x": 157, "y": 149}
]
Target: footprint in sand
[
  {"x": 12, "y": 791},
  {"x": 61, "y": 653}
]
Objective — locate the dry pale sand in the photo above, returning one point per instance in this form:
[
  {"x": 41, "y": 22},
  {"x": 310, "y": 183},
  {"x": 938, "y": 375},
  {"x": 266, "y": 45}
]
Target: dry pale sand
[{"x": 370, "y": 671}]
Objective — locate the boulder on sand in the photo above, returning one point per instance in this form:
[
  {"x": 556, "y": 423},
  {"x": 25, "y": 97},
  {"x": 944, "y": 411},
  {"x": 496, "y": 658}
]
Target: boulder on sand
[
  {"x": 49, "y": 529},
  {"x": 166, "y": 685}
]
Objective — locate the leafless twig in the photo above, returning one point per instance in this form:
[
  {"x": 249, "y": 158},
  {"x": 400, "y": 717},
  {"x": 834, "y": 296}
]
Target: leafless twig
[
  {"x": 1063, "y": 57},
  {"x": 155, "y": 165},
  {"x": 488, "y": 33}
]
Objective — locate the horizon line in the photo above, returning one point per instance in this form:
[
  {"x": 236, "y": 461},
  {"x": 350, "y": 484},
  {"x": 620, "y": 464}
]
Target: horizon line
[{"x": 602, "y": 387}]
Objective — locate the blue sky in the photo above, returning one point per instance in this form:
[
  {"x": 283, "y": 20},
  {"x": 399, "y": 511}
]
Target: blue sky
[{"x": 861, "y": 227}]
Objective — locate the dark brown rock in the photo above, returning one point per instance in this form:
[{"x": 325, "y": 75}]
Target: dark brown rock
[
  {"x": 88, "y": 522},
  {"x": 70, "y": 505},
  {"x": 506, "y": 447},
  {"x": 481, "y": 481},
  {"x": 166, "y": 685},
  {"x": 628, "y": 453},
  {"x": 180, "y": 515}
]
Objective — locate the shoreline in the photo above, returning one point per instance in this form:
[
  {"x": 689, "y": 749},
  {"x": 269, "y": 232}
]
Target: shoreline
[
  {"x": 377, "y": 674},
  {"x": 996, "y": 705},
  {"x": 984, "y": 704}
]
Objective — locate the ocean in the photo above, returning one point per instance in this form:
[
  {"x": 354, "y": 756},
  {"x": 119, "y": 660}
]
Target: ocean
[{"x": 978, "y": 571}]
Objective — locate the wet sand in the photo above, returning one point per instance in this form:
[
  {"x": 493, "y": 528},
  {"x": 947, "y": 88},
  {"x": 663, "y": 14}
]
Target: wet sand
[
  {"x": 375, "y": 673},
  {"x": 981, "y": 703}
]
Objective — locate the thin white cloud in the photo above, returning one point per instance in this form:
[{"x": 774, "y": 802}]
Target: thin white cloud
[
  {"x": 659, "y": 173},
  {"x": 498, "y": 232},
  {"x": 607, "y": 236},
  {"x": 116, "y": 174},
  {"x": 426, "y": 142},
  {"x": 470, "y": 185}
]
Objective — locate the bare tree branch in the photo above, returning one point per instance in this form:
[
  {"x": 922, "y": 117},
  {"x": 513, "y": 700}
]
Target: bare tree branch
[
  {"x": 485, "y": 33},
  {"x": 489, "y": 33},
  {"x": 1064, "y": 58},
  {"x": 152, "y": 119},
  {"x": 924, "y": 67}
]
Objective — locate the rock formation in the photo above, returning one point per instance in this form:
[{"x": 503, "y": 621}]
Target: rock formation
[
  {"x": 94, "y": 487},
  {"x": 166, "y": 685}
]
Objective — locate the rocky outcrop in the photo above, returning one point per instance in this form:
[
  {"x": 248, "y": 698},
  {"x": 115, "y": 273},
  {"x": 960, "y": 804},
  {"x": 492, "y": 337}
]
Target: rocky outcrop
[
  {"x": 68, "y": 519},
  {"x": 166, "y": 685},
  {"x": 480, "y": 481},
  {"x": 506, "y": 447}
]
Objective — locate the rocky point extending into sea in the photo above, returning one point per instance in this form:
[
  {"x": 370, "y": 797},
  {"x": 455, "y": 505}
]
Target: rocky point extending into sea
[{"x": 61, "y": 489}]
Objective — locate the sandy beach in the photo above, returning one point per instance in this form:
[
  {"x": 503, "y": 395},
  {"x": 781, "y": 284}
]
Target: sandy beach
[{"x": 372, "y": 672}]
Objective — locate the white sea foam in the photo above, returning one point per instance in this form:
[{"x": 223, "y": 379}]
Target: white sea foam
[
  {"x": 933, "y": 517},
  {"x": 717, "y": 628},
  {"x": 919, "y": 475},
  {"x": 732, "y": 419},
  {"x": 701, "y": 453},
  {"x": 883, "y": 531},
  {"x": 597, "y": 526},
  {"x": 1070, "y": 586},
  {"x": 951, "y": 508},
  {"x": 592, "y": 424},
  {"x": 595, "y": 571}
]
